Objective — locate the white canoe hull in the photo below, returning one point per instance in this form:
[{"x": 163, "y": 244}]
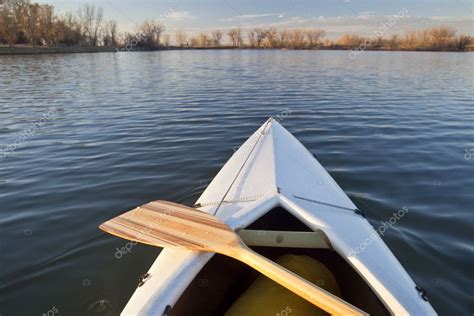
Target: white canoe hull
[{"x": 279, "y": 171}]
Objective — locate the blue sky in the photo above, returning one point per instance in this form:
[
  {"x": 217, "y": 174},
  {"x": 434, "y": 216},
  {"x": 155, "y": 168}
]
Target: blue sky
[{"x": 335, "y": 16}]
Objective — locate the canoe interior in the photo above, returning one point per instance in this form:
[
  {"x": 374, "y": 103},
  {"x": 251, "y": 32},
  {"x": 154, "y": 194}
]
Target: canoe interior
[{"x": 222, "y": 280}]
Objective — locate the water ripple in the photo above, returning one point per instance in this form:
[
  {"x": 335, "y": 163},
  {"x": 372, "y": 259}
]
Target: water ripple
[{"x": 393, "y": 128}]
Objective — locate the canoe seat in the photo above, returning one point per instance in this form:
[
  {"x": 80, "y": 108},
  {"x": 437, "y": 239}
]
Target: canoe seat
[
  {"x": 266, "y": 297},
  {"x": 285, "y": 239}
]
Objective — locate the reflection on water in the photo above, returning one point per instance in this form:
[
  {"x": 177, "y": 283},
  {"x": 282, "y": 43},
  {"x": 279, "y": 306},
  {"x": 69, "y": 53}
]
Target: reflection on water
[{"x": 393, "y": 128}]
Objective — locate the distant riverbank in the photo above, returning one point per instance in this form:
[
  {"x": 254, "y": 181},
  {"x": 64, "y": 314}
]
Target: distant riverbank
[
  {"x": 33, "y": 28},
  {"x": 25, "y": 50}
]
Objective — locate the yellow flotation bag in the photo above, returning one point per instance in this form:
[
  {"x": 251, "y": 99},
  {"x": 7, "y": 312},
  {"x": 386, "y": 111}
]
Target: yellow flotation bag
[{"x": 266, "y": 297}]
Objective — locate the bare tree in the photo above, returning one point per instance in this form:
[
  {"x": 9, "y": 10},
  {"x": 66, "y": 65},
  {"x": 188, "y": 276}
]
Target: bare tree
[
  {"x": 97, "y": 26},
  {"x": 314, "y": 36},
  {"x": 350, "y": 40},
  {"x": 328, "y": 43},
  {"x": 232, "y": 36},
  {"x": 256, "y": 36},
  {"x": 90, "y": 19},
  {"x": 261, "y": 34},
  {"x": 378, "y": 42},
  {"x": 149, "y": 33},
  {"x": 438, "y": 38},
  {"x": 425, "y": 39},
  {"x": 8, "y": 23},
  {"x": 442, "y": 37},
  {"x": 194, "y": 42},
  {"x": 217, "y": 37},
  {"x": 271, "y": 38},
  {"x": 283, "y": 38},
  {"x": 252, "y": 35},
  {"x": 27, "y": 16},
  {"x": 203, "y": 40},
  {"x": 86, "y": 16},
  {"x": 463, "y": 41},
  {"x": 410, "y": 39},
  {"x": 235, "y": 36},
  {"x": 110, "y": 34},
  {"x": 72, "y": 29},
  {"x": 296, "y": 39},
  {"x": 46, "y": 24},
  {"x": 36, "y": 24},
  {"x": 181, "y": 38},
  {"x": 393, "y": 42},
  {"x": 70, "y": 20},
  {"x": 166, "y": 40},
  {"x": 112, "y": 25}
]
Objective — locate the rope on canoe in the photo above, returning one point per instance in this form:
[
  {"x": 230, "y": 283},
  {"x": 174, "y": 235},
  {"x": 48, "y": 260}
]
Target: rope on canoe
[
  {"x": 242, "y": 167},
  {"x": 242, "y": 199},
  {"x": 356, "y": 211},
  {"x": 326, "y": 204}
]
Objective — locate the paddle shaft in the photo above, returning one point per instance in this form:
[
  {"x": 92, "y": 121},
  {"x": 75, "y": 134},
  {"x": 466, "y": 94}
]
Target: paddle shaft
[{"x": 307, "y": 290}]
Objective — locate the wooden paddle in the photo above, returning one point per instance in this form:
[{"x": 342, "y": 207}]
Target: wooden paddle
[{"x": 166, "y": 224}]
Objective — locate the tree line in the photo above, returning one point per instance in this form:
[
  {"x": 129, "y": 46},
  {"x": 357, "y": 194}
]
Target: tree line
[
  {"x": 254, "y": 38},
  {"x": 22, "y": 22},
  {"x": 436, "y": 38}
]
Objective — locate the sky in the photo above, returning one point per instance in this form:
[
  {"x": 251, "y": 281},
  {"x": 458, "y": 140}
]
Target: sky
[{"x": 336, "y": 17}]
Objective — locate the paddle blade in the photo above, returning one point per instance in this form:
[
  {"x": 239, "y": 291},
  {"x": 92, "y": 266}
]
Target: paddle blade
[{"x": 165, "y": 224}]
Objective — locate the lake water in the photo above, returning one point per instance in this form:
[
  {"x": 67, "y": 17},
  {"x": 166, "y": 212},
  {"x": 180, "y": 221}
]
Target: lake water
[{"x": 85, "y": 137}]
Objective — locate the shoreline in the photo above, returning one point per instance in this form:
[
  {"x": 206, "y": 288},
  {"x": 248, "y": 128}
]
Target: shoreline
[
  {"x": 38, "y": 50},
  {"x": 25, "y": 50}
]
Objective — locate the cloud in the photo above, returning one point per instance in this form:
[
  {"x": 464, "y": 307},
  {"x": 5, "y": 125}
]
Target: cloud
[
  {"x": 366, "y": 14},
  {"x": 366, "y": 22},
  {"x": 248, "y": 17},
  {"x": 451, "y": 18},
  {"x": 180, "y": 16}
]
